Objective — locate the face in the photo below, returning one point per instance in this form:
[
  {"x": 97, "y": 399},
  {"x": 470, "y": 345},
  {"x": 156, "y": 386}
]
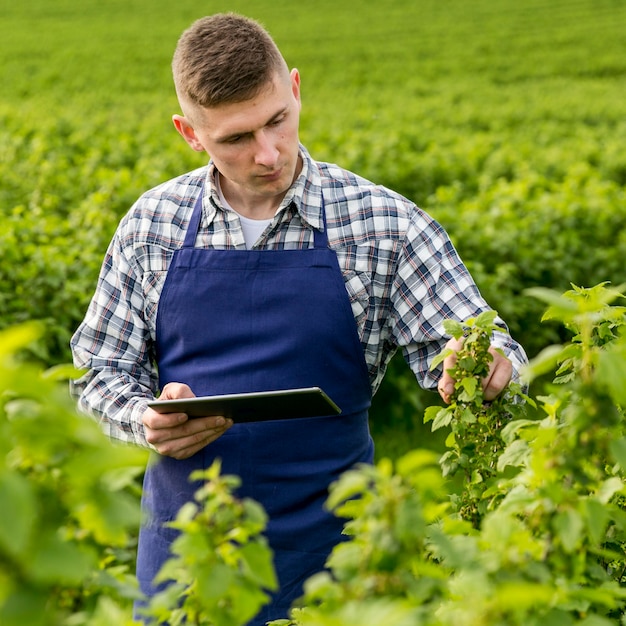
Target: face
[{"x": 254, "y": 144}]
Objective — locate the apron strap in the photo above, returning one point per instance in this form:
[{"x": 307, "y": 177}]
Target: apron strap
[
  {"x": 194, "y": 223},
  {"x": 320, "y": 238}
]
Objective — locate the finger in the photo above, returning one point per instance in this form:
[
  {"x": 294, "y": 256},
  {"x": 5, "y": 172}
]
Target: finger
[
  {"x": 158, "y": 421},
  {"x": 186, "y": 439},
  {"x": 445, "y": 386},
  {"x": 188, "y": 428},
  {"x": 185, "y": 447},
  {"x": 171, "y": 391},
  {"x": 500, "y": 373},
  {"x": 195, "y": 445}
]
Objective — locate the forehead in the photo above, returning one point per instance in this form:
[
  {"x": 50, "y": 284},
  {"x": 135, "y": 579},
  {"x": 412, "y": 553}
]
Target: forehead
[{"x": 246, "y": 116}]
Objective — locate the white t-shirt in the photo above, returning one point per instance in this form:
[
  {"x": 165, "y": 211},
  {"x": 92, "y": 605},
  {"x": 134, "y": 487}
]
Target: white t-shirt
[{"x": 252, "y": 229}]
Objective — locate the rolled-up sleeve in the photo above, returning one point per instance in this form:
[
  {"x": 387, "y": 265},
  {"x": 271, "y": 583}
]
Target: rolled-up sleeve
[
  {"x": 113, "y": 345},
  {"x": 432, "y": 284}
]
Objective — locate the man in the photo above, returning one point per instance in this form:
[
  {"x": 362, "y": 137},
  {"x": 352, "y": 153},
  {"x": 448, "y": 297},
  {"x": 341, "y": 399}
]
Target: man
[{"x": 264, "y": 270}]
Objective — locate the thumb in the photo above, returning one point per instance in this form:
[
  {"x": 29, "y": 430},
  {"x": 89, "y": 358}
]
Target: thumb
[
  {"x": 445, "y": 386},
  {"x": 175, "y": 391}
]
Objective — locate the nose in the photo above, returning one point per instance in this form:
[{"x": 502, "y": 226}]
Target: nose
[{"x": 266, "y": 151}]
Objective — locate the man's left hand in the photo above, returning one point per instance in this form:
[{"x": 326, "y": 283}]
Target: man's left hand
[{"x": 500, "y": 373}]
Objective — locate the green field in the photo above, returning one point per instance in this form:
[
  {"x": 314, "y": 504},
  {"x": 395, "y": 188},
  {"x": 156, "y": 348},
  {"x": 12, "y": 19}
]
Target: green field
[{"x": 505, "y": 119}]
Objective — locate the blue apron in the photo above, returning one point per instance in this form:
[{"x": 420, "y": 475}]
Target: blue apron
[{"x": 258, "y": 320}]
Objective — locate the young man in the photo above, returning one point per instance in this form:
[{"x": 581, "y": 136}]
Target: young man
[{"x": 264, "y": 270}]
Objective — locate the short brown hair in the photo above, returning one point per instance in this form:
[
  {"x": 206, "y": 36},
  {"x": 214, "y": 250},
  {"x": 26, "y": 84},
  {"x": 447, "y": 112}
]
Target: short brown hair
[{"x": 224, "y": 58}]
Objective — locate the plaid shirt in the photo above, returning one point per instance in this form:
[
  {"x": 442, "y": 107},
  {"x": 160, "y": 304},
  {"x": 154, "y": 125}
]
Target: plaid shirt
[{"x": 401, "y": 272}]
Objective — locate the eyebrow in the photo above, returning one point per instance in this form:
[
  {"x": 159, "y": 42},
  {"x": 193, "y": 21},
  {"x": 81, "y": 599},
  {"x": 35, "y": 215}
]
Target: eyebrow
[{"x": 231, "y": 136}]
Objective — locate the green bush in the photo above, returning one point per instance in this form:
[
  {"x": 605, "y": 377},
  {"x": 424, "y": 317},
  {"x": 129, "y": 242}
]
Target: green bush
[
  {"x": 221, "y": 564},
  {"x": 532, "y": 230},
  {"x": 533, "y": 534},
  {"x": 523, "y": 524},
  {"x": 69, "y": 499}
]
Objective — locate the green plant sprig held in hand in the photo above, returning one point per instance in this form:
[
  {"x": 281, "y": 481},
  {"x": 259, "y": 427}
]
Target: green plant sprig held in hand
[{"x": 475, "y": 439}]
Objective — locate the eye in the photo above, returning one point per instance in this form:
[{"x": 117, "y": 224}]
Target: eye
[{"x": 278, "y": 121}]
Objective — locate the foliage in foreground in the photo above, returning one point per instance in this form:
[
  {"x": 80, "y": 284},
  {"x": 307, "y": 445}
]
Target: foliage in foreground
[
  {"x": 534, "y": 532},
  {"x": 521, "y": 522},
  {"x": 70, "y": 508},
  {"x": 71, "y": 511},
  {"x": 221, "y": 562}
]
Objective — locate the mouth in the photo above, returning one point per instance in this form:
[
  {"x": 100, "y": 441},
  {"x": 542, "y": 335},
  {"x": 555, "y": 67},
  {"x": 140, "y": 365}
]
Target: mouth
[{"x": 271, "y": 176}]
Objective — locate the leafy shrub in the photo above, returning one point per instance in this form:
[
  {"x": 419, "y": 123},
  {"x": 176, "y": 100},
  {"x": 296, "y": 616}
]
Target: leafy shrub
[
  {"x": 62, "y": 197},
  {"x": 70, "y": 504},
  {"x": 536, "y": 231},
  {"x": 544, "y": 540},
  {"x": 521, "y": 525},
  {"x": 221, "y": 566}
]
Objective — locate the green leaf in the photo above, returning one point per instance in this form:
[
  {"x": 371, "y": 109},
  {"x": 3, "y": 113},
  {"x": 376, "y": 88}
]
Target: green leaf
[
  {"x": 610, "y": 487},
  {"x": 568, "y": 525},
  {"x": 55, "y": 560},
  {"x": 109, "y": 516},
  {"x": 345, "y": 558},
  {"x": 454, "y": 550},
  {"x": 486, "y": 319},
  {"x": 430, "y": 413},
  {"x": 415, "y": 461},
  {"x": 522, "y": 595},
  {"x": 467, "y": 363},
  {"x": 561, "y": 307},
  {"x": 545, "y": 362},
  {"x": 258, "y": 559},
  {"x": 449, "y": 463},
  {"x": 454, "y": 328},
  {"x": 108, "y": 612},
  {"x": 467, "y": 416},
  {"x": 440, "y": 358},
  {"x": 214, "y": 582},
  {"x": 19, "y": 512},
  {"x": 618, "y": 450},
  {"x": 61, "y": 372},
  {"x": 443, "y": 418},
  {"x": 512, "y": 429},
  {"x": 597, "y": 519},
  {"x": 612, "y": 371},
  {"x": 18, "y": 337},
  {"x": 514, "y": 454},
  {"x": 469, "y": 385},
  {"x": 351, "y": 483},
  {"x": 25, "y": 607}
]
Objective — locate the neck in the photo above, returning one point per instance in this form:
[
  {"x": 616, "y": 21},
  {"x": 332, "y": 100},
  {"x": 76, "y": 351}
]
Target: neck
[{"x": 253, "y": 207}]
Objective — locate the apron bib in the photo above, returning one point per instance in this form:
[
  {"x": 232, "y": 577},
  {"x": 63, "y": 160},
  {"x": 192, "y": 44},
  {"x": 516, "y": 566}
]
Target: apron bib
[{"x": 258, "y": 320}]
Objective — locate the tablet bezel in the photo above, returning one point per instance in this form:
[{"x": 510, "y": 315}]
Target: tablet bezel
[{"x": 255, "y": 406}]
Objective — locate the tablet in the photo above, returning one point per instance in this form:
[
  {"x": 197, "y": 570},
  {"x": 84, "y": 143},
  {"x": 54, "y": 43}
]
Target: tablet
[{"x": 254, "y": 407}]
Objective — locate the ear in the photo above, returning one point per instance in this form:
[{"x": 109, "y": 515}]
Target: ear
[
  {"x": 187, "y": 132},
  {"x": 295, "y": 86}
]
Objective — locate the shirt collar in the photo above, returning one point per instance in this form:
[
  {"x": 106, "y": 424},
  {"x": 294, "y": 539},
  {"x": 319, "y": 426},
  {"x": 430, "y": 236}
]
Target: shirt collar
[{"x": 305, "y": 194}]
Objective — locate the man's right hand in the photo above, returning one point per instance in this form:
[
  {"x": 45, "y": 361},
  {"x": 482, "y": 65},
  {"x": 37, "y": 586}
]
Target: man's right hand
[{"x": 174, "y": 434}]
